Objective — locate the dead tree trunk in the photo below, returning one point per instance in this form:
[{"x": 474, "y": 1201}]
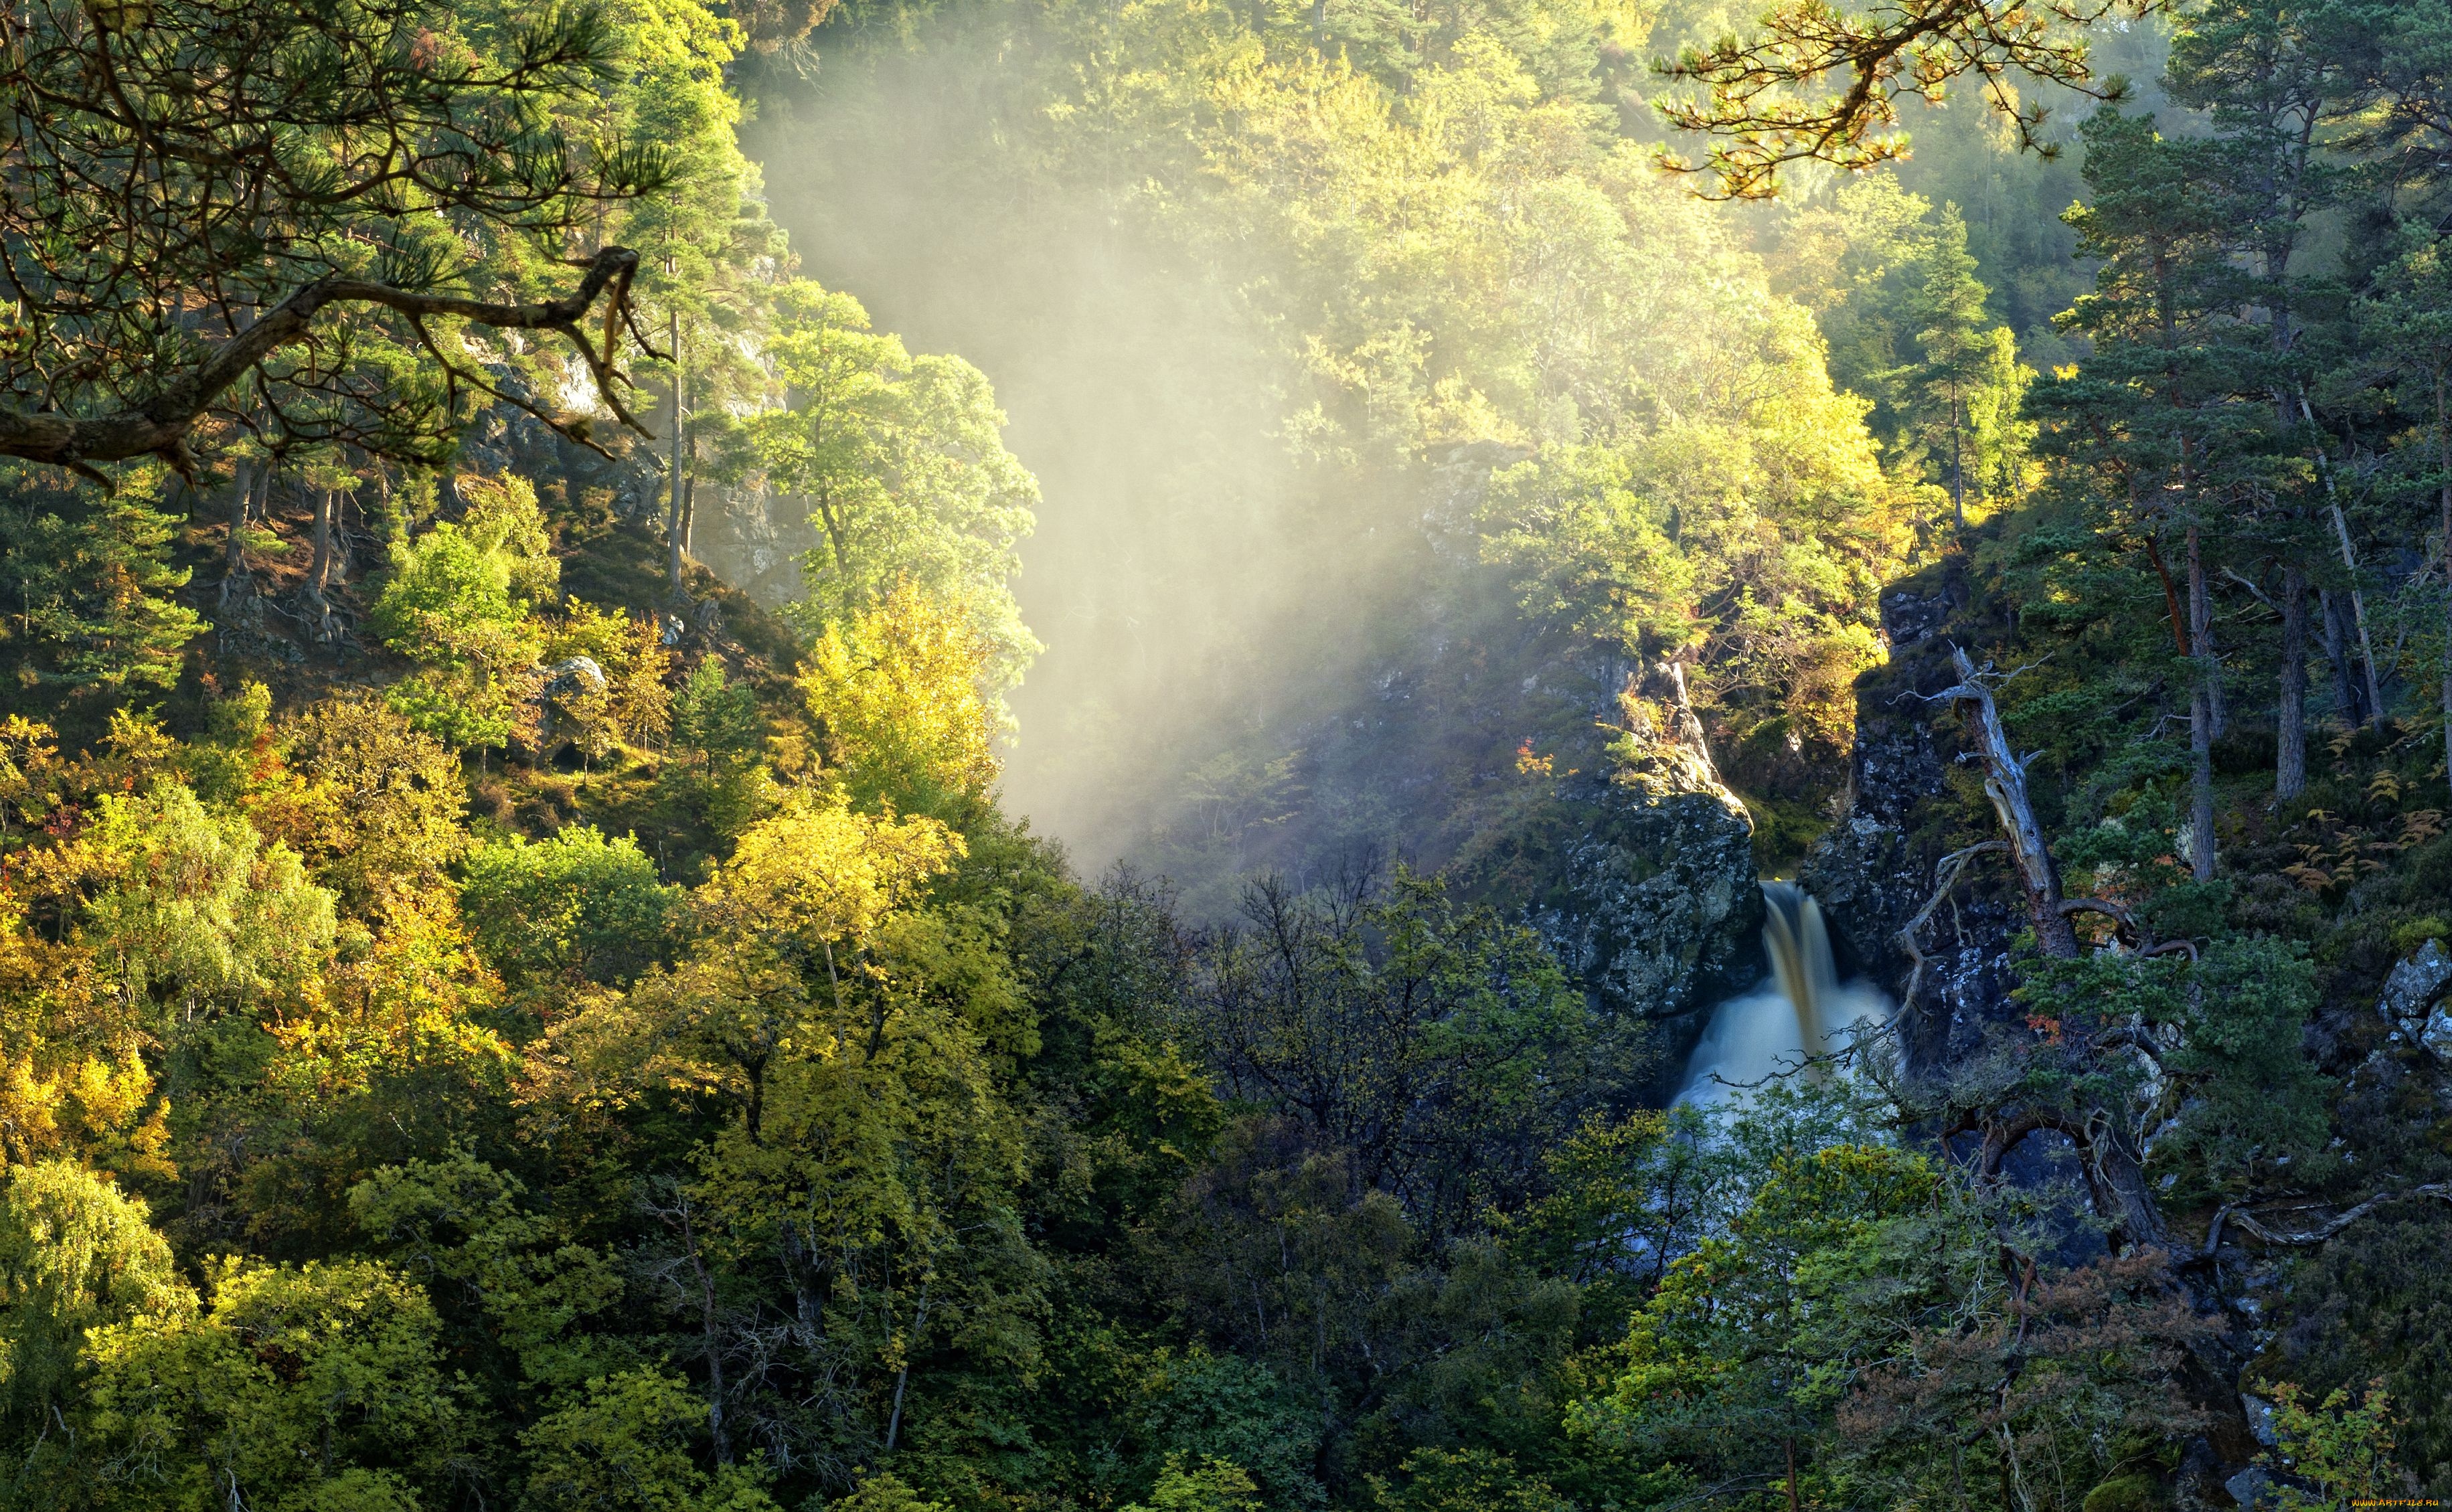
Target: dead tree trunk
[
  {"x": 2005, "y": 783},
  {"x": 2346, "y": 701},
  {"x": 676, "y": 499}
]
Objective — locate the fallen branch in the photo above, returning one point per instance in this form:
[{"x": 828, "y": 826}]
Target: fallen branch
[{"x": 2232, "y": 1212}]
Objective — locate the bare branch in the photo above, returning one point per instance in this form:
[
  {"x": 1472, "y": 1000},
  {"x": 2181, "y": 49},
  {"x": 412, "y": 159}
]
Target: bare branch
[
  {"x": 2005, "y": 783},
  {"x": 1954, "y": 863}
]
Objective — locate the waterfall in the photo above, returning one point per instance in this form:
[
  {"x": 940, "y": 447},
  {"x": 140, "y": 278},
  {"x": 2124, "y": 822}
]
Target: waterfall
[{"x": 1765, "y": 1032}]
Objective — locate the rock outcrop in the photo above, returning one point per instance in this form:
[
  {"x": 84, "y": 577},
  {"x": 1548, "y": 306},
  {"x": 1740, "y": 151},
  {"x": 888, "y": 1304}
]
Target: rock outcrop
[
  {"x": 1873, "y": 870},
  {"x": 1656, "y": 908}
]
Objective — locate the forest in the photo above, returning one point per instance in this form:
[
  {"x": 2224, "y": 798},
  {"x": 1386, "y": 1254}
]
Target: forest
[{"x": 1027, "y": 756}]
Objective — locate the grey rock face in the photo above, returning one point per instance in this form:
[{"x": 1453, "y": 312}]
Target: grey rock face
[
  {"x": 2435, "y": 1034},
  {"x": 2250, "y": 1488},
  {"x": 566, "y": 678},
  {"x": 2415, "y": 983},
  {"x": 1659, "y": 907}
]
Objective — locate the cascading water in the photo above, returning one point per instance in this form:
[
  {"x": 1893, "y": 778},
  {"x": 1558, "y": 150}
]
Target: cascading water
[{"x": 1765, "y": 1033}]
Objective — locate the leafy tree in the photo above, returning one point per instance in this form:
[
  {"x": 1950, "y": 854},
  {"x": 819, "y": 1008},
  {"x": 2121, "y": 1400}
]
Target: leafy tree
[
  {"x": 503, "y": 1277},
  {"x": 458, "y": 599},
  {"x": 317, "y": 1384},
  {"x": 1440, "y": 1480},
  {"x": 1752, "y": 87},
  {"x": 94, "y": 583},
  {"x": 193, "y": 905},
  {"x": 1438, "y": 1047},
  {"x": 902, "y": 696},
  {"x": 76, "y": 1254},
  {"x": 902, "y": 463},
  {"x": 2343, "y": 1447},
  {"x": 625, "y": 1446},
  {"x": 716, "y": 766},
  {"x": 571, "y": 908},
  {"x": 1732, "y": 1360},
  {"x": 1214, "y": 1485},
  {"x": 373, "y": 804}
]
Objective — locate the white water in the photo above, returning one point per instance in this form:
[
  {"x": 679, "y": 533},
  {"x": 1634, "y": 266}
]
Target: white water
[{"x": 1764, "y": 1035}]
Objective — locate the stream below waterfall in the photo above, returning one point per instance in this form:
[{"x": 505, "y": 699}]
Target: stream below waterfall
[{"x": 1765, "y": 1032}]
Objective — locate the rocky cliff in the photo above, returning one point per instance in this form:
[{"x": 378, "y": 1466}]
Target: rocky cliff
[{"x": 1913, "y": 799}]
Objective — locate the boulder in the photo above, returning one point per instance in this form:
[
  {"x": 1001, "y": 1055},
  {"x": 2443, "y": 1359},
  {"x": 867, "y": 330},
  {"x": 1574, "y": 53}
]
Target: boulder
[
  {"x": 2250, "y": 1488},
  {"x": 1659, "y": 907},
  {"x": 2414, "y": 984},
  {"x": 2435, "y": 1034},
  {"x": 566, "y": 678}
]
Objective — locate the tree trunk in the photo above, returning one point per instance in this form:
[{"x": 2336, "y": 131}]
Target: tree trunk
[
  {"x": 1957, "y": 472},
  {"x": 241, "y": 493},
  {"x": 2358, "y": 617},
  {"x": 2201, "y": 636},
  {"x": 2337, "y": 651},
  {"x": 673, "y": 510},
  {"x": 711, "y": 1335},
  {"x": 2444, "y": 482},
  {"x": 319, "y": 566},
  {"x": 2005, "y": 783},
  {"x": 2200, "y": 716},
  {"x": 2290, "y": 699},
  {"x": 2349, "y": 564}
]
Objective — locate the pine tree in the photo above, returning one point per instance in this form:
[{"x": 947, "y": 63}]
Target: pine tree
[{"x": 2160, "y": 413}]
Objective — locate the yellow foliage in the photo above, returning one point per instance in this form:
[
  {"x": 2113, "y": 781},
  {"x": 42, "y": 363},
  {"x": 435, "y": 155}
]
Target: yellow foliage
[
  {"x": 30, "y": 1106},
  {"x": 402, "y": 1004},
  {"x": 821, "y": 872},
  {"x": 899, "y": 699}
]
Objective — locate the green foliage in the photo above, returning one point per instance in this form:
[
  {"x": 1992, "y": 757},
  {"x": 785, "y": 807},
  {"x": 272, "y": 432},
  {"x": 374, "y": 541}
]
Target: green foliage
[
  {"x": 901, "y": 460},
  {"x": 2341, "y": 1447},
  {"x": 1469, "y": 1481},
  {"x": 195, "y": 903},
  {"x": 716, "y": 766},
  {"x": 884, "y": 1492},
  {"x": 95, "y": 590},
  {"x": 573, "y": 908},
  {"x": 1733, "y": 1353},
  {"x": 1894, "y": 286},
  {"x": 457, "y": 599},
  {"x": 75, "y": 1255},
  {"x": 509, "y": 1277},
  {"x": 625, "y": 1446},
  {"x": 1214, "y": 1485},
  {"x": 315, "y": 1385},
  {"x": 1440, "y": 1047}
]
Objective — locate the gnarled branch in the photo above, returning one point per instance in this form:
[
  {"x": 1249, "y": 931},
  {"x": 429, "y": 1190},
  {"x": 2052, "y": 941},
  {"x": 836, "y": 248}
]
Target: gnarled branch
[
  {"x": 160, "y": 426},
  {"x": 2005, "y": 783}
]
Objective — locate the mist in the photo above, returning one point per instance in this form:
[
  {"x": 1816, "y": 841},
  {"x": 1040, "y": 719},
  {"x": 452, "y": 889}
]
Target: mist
[
  {"x": 1260, "y": 449},
  {"x": 1167, "y": 578}
]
